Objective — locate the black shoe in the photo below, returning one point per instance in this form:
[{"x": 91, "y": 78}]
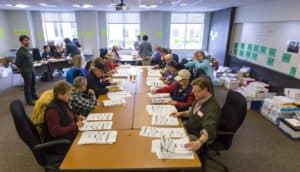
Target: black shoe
[
  {"x": 30, "y": 103},
  {"x": 35, "y": 97}
]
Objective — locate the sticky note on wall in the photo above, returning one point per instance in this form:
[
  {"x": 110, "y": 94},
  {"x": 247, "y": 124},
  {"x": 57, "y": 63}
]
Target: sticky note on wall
[
  {"x": 103, "y": 33},
  {"x": 18, "y": 31},
  {"x": 89, "y": 35},
  {"x": 2, "y": 33},
  {"x": 159, "y": 34},
  {"x": 272, "y": 52},
  {"x": 270, "y": 62},
  {"x": 286, "y": 58},
  {"x": 249, "y": 47},
  {"x": 293, "y": 71},
  {"x": 263, "y": 50},
  {"x": 40, "y": 35},
  {"x": 242, "y": 46},
  {"x": 255, "y": 48}
]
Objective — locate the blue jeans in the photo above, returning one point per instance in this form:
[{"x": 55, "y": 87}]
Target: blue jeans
[{"x": 29, "y": 86}]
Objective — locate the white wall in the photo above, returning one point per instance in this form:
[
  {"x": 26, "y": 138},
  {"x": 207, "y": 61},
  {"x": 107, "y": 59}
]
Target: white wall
[
  {"x": 4, "y": 39},
  {"x": 268, "y": 12},
  {"x": 38, "y": 29}
]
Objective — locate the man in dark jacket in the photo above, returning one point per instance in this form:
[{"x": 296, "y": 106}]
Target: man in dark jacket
[
  {"x": 24, "y": 62},
  {"x": 96, "y": 80},
  {"x": 71, "y": 49}
]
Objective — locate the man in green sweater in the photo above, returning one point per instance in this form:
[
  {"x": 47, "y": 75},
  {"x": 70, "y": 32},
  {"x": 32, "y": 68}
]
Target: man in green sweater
[
  {"x": 204, "y": 115},
  {"x": 24, "y": 62}
]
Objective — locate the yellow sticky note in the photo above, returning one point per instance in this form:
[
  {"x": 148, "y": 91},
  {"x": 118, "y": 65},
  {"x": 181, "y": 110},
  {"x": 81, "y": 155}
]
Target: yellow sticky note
[
  {"x": 79, "y": 34},
  {"x": 103, "y": 33},
  {"x": 90, "y": 35},
  {"x": 159, "y": 34},
  {"x": 40, "y": 35},
  {"x": 2, "y": 33}
]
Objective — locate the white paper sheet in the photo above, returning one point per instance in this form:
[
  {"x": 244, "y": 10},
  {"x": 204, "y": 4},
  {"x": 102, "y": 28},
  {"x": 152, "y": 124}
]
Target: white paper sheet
[
  {"x": 159, "y": 95},
  {"x": 99, "y": 117},
  {"x": 160, "y": 109},
  {"x": 148, "y": 131},
  {"x": 118, "y": 95},
  {"x": 98, "y": 137},
  {"x": 92, "y": 126},
  {"x": 113, "y": 102},
  {"x": 164, "y": 120}
]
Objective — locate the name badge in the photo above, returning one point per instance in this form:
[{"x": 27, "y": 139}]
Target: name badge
[{"x": 200, "y": 114}]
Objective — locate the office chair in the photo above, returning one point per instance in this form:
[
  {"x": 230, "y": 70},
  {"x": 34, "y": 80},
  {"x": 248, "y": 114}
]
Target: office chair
[
  {"x": 175, "y": 57},
  {"x": 36, "y": 54},
  {"x": 232, "y": 116},
  {"x": 27, "y": 131}
]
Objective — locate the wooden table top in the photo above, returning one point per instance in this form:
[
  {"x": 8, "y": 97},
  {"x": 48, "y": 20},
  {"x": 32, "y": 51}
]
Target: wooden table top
[{"x": 131, "y": 151}]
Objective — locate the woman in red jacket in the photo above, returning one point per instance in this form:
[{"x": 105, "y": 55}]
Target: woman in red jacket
[
  {"x": 180, "y": 90},
  {"x": 60, "y": 119}
]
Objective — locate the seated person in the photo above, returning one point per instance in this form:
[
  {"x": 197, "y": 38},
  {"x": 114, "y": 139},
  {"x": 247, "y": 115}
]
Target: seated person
[
  {"x": 46, "y": 54},
  {"x": 114, "y": 52},
  {"x": 82, "y": 100},
  {"x": 180, "y": 90},
  {"x": 203, "y": 117},
  {"x": 60, "y": 119},
  {"x": 112, "y": 65},
  {"x": 169, "y": 76},
  {"x": 161, "y": 64},
  {"x": 40, "y": 106},
  {"x": 74, "y": 71},
  {"x": 156, "y": 55},
  {"x": 199, "y": 62},
  {"x": 58, "y": 52},
  {"x": 85, "y": 70},
  {"x": 168, "y": 59},
  {"x": 96, "y": 81}
]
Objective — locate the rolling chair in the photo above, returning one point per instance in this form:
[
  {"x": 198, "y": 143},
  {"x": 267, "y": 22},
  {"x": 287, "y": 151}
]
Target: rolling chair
[
  {"x": 27, "y": 131},
  {"x": 232, "y": 116},
  {"x": 175, "y": 57}
]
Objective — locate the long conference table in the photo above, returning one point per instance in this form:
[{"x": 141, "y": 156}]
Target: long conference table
[{"x": 131, "y": 152}]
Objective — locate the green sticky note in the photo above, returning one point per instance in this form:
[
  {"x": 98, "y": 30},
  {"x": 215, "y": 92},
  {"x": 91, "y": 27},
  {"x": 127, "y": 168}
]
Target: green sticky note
[
  {"x": 103, "y": 33},
  {"x": 248, "y": 54},
  {"x": 143, "y": 33},
  {"x": 242, "y": 46},
  {"x": 255, "y": 48},
  {"x": 90, "y": 35},
  {"x": 270, "y": 62},
  {"x": 159, "y": 34},
  {"x": 254, "y": 56},
  {"x": 293, "y": 71},
  {"x": 40, "y": 35},
  {"x": 79, "y": 34},
  {"x": 263, "y": 50},
  {"x": 241, "y": 53},
  {"x": 235, "y": 51},
  {"x": 249, "y": 47},
  {"x": 2, "y": 33},
  {"x": 236, "y": 45},
  {"x": 286, "y": 58},
  {"x": 272, "y": 52}
]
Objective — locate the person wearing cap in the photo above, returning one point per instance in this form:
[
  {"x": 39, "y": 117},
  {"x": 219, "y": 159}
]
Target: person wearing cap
[
  {"x": 199, "y": 62},
  {"x": 180, "y": 90},
  {"x": 170, "y": 74},
  {"x": 111, "y": 62},
  {"x": 203, "y": 117},
  {"x": 95, "y": 79}
]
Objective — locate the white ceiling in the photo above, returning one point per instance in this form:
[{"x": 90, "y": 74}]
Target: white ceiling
[{"x": 162, "y": 5}]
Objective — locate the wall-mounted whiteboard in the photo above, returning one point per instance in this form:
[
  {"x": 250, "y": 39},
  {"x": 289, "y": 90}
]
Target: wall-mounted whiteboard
[{"x": 266, "y": 44}]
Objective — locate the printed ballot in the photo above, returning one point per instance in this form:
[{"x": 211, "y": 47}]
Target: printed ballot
[
  {"x": 164, "y": 120},
  {"x": 147, "y": 131},
  {"x": 114, "y": 102},
  {"x": 99, "y": 125},
  {"x": 98, "y": 137},
  {"x": 160, "y": 109},
  {"x": 99, "y": 117}
]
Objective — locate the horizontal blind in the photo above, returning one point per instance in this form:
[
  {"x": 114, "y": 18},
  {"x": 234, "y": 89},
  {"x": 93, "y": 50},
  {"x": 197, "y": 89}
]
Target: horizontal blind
[
  {"x": 64, "y": 17},
  {"x": 187, "y": 18},
  {"x": 123, "y": 18}
]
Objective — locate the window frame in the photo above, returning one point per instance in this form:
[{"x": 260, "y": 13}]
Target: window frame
[
  {"x": 123, "y": 23},
  {"x": 186, "y": 23}
]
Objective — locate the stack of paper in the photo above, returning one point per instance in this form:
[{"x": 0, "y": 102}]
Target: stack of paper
[
  {"x": 113, "y": 102},
  {"x": 118, "y": 95},
  {"x": 117, "y": 81},
  {"x": 160, "y": 109},
  {"x": 167, "y": 148},
  {"x": 147, "y": 131},
  {"x": 154, "y": 73},
  {"x": 159, "y": 95},
  {"x": 100, "y": 125},
  {"x": 164, "y": 120},
  {"x": 98, "y": 137},
  {"x": 99, "y": 117},
  {"x": 155, "y": 83},
  {"x": 160, "y": 100}
]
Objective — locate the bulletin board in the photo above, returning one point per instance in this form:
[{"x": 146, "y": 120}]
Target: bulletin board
[{"x": 266, "y": 44}]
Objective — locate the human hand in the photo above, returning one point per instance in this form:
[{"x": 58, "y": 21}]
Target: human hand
[
  {"x": 193, "y": 146},
  {"x": 176, "y": 114},
  {"x": 79, "y": 124},
  {"x": 91, "y": 91},
  {"x": 172, "y": 102}
]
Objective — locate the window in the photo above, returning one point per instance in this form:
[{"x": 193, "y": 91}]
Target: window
[
  {"x": 186, "y": 30},
  {"x": 123, "y": 29},
  {"x": 58, "y": 26}
]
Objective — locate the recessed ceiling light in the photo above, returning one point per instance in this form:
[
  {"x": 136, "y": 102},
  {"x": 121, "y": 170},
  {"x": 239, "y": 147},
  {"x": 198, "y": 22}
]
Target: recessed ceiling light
[
  {"x": 182, "y": 5},
  {"x": 47, "y": 5},
  {"x": 148, "y": 6},
  {"x": 18, "y": 5},
  {"x": 83, "y": 6}
]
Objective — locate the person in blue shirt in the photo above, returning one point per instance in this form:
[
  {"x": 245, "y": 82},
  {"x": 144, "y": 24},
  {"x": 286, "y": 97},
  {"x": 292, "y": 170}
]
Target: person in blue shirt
[
  {"x": 156, "y": 57},
  {"x": 74, "y": 71},
  {"x": 46, "y": 54},
  {"x": 199, "y": 62},
  {"x": 85, "y": 70}
]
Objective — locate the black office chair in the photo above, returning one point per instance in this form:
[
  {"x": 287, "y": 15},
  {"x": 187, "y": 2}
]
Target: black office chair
[
  {"x": 36, "y": 54},
  {"x": 175, "y": 57},
  {"x": 232, "y": 117},
  {"x": 30, "y": 136},
  {"x": 103, "y": 52}
]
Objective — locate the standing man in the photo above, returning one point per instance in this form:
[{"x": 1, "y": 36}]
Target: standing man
[
  {"x": 71, "y": 49},
  {"x": 24, "y": 62},
  {"x": 137, "y": 43},
  {"x": 145, "y": 51}
]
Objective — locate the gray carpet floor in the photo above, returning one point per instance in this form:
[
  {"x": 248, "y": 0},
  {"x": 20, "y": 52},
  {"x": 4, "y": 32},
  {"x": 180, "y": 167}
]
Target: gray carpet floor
[{"x": 258, "y": 146}]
